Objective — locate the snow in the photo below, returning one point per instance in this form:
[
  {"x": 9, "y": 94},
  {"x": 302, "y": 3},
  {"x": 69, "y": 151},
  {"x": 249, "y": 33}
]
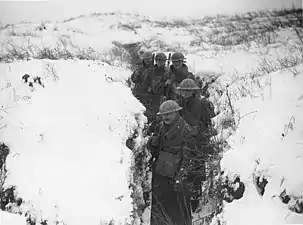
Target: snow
[
  {"x": 259, "y": 148},
  {"x": 68, "y": 143},
  {"x": 11, "y": 219}
]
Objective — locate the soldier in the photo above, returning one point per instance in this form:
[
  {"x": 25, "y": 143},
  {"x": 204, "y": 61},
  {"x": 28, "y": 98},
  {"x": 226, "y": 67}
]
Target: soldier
[
  {"x": 154, "y": 98},
  {"x": 155, "y": 73},
  {"x": 137, "y": 76},
  {"x": 171, "y": 147},
  {"x": 197, "y": 112},
  {"x": 178, "y": 71}
]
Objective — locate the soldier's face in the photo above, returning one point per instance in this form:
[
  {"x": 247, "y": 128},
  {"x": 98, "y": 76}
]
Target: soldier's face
[
  {"x": 186, "y": 93},
  {"x": 160, "y": 62},
  {"x": 177, "y": 64},
  {"x": 148, "y": 61},
  {"x": 169, "y": 118}
]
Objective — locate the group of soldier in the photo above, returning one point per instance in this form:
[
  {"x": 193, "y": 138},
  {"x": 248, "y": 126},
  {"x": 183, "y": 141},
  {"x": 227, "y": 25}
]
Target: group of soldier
[{"x": 180, "y": 125}]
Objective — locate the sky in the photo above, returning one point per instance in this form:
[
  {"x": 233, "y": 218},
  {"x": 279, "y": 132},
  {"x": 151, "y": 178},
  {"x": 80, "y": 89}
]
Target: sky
[{"x": 12, "y": 11}]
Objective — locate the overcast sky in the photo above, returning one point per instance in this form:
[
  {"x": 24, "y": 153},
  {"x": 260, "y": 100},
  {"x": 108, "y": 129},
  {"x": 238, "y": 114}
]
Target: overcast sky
[{"x": 12, "y": 11}]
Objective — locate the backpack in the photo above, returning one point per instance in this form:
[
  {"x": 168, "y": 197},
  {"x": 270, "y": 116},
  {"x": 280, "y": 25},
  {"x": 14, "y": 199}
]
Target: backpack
[{"x": 167, "y": 164}]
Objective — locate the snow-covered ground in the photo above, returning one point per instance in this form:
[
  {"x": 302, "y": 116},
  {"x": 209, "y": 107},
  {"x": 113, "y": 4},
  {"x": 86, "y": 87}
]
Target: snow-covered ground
[
  {"x": 11, "y": 219},
  {"x": 69, "y": 161},
  {"x": 268, "y": 143},
  {"x": 68, "y": 155}
]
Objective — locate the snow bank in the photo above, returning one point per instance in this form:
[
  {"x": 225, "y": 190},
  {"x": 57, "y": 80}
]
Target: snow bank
[
  {"x": 11, "y": 219},
  {"x": 69, "y": 157},
  {"x": 268, "y": 143}
]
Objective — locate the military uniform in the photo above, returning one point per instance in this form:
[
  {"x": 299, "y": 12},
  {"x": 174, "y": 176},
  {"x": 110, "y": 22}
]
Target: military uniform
[
  {"x": 154, "y": 74},
  {"x": 140, "y": 90},
  {"x": 168, "y": 204},
  {"x": 198, "y": 112},
  {"x": 138, "y": 76},
  {"x": 178, "y": 75},
  {"x": 171, "y": 147}
]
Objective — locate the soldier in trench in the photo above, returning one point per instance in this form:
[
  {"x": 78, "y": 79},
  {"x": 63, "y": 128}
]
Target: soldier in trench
[
  {"x": 150, "y": 75},
  {"x": 171, "y": 147},
  {"x": 177, "y": 72},
  {"x": 138, "y": 76},
  {"x": 197, "y": 112}
]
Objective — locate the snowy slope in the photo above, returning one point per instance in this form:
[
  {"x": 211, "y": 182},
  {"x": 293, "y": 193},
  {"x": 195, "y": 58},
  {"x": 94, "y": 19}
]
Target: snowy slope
[
  {"x": 268, "y": 144},
  {"x": 69, "y": 158},
  {"x": 11, "y": 219}
]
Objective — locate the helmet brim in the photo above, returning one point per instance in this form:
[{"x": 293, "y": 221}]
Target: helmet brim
[
  {"x": 188, "y": 89},
  {"x": 176, "y": 60},
  {"x": 145, "y": 58},
  {"x": 175, "y": 110}
]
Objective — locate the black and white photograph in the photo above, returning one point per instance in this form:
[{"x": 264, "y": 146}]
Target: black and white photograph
[{"x": 153, "y": 112}]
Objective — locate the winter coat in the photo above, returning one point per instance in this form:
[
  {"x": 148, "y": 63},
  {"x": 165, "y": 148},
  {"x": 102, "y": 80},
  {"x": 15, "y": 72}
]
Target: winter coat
[
  {"x": 144, "y": 93},
  {"x": 179, "y": 75},
  {"x": 153, "y": 74},
  {"x": 170, "y": 205},
  {"x": 137, "y": 77},
  {"x": 198, "y": 113},
  {"x": 176, "y": 77}
]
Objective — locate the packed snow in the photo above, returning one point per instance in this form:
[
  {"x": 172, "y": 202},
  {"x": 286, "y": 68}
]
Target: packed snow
[
  {"x": 69, "y": 158},
  {"x": 11, "y": 219},
  {"x": 268, "y": 144}
]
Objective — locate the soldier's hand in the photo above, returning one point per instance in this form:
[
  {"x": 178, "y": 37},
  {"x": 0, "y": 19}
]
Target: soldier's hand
[
  {"x": 177, "y": 185},
  {"x": 168, "y": 82},
  {"x": 137, "y": 73},
  {"x": 153, "y": 141},
  {"x": 166, "y": 75},
  {"x": 194, "y": 204}
]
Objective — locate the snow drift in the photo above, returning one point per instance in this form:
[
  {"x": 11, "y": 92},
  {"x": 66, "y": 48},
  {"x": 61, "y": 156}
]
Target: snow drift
[
  {"x": 10, "y": 219},
  {"x": 268, "y": 145},
  {"x": 68, "y": 155}
]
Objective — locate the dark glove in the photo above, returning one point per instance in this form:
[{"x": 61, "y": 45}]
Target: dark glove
[
  {"x": 153, "y": 141},
  {"x": 194, "y": 204},
  {"x": 177, "y": 185},
  {"x": 178, "y": 179},
  {"x": 146, "y": 197}
]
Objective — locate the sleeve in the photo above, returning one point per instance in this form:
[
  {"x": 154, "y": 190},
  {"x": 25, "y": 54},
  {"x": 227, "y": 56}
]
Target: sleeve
[
  {"x": 158, "y": 85},
  {"x": 136, "y": 75},
  {"x": 209, "y": 109},
  {"x": 154, "y": 142},
  {"x": 191, "y": 76},
  {"x": 190, "y": 149},
  {"x": 147, "y": 79}
]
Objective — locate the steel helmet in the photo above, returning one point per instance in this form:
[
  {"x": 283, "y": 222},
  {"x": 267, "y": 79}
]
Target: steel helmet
[
  {"x": 161, "y": 55},
  {"x": 169, "y": 106},
  {"x": 188, "y": 84},
  {"x": 177, "y": 56},
  {"x": 147, "y": 55}
]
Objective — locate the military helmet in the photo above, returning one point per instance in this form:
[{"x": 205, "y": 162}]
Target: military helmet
[
  {"x": 169, "y": 106},
  {"x": 177, "y": 56},
  {"x": 161, "y": 55},
  {"x": 147, "y": 55},
  {"x": 188, "y": 84}
]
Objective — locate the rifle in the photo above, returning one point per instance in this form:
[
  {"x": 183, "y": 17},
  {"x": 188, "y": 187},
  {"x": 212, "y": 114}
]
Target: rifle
[
  {"x": 167, "y": 89},
  {"x": 153, "y": 61}
]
